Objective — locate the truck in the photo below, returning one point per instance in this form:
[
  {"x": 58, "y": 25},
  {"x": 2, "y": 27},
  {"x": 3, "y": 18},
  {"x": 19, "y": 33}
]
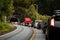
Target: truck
[{"x": 28, "y": 21}]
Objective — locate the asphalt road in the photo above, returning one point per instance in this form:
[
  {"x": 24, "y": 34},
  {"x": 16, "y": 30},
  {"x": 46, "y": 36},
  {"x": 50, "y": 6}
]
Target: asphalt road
[
  {"x": 21, "y": 33},
  {"x": 24, "y": 33},
  {"x": 38, "y": 34}
]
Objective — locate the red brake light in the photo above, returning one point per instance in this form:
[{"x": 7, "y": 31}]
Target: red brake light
[{"x": 52, "y": 22}]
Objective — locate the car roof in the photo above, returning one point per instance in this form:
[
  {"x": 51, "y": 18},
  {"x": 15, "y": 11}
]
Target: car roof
[{"x": 39, "y": 20}]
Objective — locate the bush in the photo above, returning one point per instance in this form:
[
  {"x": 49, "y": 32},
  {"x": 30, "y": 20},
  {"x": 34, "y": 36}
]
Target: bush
[{"x": 4, "y": 27}]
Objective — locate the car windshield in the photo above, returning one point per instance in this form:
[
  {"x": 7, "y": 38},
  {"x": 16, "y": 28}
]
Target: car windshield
[{"x": 14, "y": 20}]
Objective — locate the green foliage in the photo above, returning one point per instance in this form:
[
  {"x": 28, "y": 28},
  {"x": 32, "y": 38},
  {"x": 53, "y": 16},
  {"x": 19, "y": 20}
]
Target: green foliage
[
  {"x": 45, "y": 17},
  {"x": 23, "y": 3},
  {"x": 34, "y": 15},
  {"x": 10, "y": 8},
  {"x": 6, "y": 9},
  {"x": 4, "y": 26}
]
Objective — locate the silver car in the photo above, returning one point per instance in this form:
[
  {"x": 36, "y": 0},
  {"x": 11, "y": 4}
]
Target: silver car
[{"x": 36, "y": 23}]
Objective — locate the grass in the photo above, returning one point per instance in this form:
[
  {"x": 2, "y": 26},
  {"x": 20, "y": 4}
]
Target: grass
[{"x": 5, "y": 28}]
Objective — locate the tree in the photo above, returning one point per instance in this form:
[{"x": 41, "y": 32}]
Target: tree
[
  {"x": 33, "y": 14},
  {"x": 48, "y": 6},
  {"x": 6, "y": 8},
  {"x": 53, "y": 5},
  {"x": 21, "y": 8},
  {"x": 23, "y": 3}
]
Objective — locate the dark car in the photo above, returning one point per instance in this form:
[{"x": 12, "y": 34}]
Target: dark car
[
  {"x": 14, "y": 20},
  {"x": 53, "y": 28},
  {"x": 39, "y": 25},
  {"x": 44, "y": 26}
]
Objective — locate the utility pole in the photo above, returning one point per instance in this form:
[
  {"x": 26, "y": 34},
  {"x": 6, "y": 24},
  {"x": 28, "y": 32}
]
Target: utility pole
[{"x": 5, "y": 19}]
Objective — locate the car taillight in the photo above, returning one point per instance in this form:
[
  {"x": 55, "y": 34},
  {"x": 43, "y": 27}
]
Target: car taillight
[{"x": 52, "y": 22}]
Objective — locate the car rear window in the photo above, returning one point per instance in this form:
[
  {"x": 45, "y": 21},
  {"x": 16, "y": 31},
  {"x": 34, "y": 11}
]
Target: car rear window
[
  {"x": 13, "y": 19},
  {"x": 57, "y": 18}
]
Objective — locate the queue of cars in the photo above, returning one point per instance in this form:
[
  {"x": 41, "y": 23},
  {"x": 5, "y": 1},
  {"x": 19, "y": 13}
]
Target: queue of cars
[
  {"x": 27, "y": 22},
  {"x": 51, "y": 27},
  {"x": 36, "y": 24}
]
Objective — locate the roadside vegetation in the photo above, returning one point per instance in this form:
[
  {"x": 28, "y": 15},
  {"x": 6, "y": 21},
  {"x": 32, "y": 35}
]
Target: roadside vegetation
[
  {"x": 34, "y": 15},
  {"x": 6, "y": 9},
  {"x": 5, "y": 28}
]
